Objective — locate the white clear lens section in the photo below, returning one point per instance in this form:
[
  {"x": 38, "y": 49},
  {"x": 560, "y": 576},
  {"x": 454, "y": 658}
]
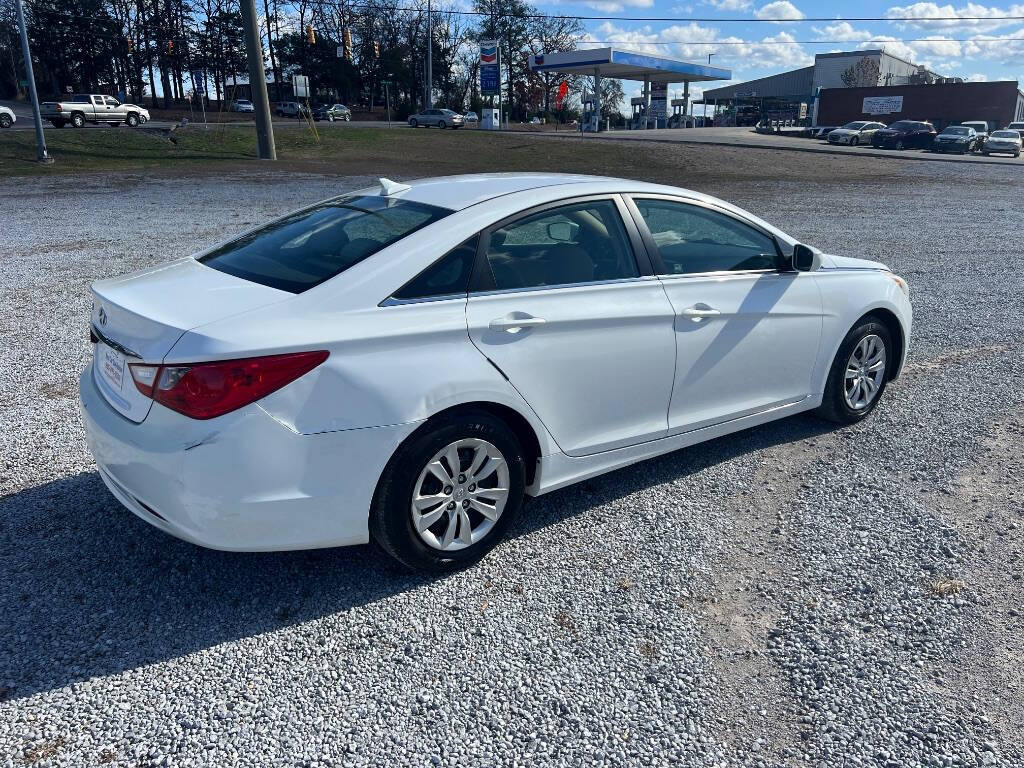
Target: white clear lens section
[{"x": 144, "y": 374}]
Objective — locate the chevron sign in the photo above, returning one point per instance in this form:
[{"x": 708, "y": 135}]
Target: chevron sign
[{"x": 488, "y": 52}]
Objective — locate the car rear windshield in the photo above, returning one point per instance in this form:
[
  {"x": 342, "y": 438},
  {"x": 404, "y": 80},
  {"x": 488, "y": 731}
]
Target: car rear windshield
[
  {"x": 1005, "y": 135},
  {"x": 313, "y": 245},
  {"x": 903, "y": 125},
  {"x": 957, "y": 131}
]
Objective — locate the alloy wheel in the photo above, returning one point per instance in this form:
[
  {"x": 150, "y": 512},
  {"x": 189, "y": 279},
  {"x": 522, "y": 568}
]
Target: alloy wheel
[
  {"x": 865, "y": 372},
  {"x": 460, "y": 494}
]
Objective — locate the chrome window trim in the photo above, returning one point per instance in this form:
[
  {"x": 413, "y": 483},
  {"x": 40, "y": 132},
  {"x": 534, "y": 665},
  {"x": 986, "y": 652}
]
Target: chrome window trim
[{"x": 391, "y": 301}]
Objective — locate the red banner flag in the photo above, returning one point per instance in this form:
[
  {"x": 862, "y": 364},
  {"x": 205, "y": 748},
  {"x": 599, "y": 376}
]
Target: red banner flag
[{"x": 563, "y": 89}]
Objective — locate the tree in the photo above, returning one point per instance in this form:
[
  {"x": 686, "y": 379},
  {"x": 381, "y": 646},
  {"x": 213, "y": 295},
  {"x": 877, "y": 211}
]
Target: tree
[
  {"x": 612, "y": 97},
  {"x": 865, "y": 72}
]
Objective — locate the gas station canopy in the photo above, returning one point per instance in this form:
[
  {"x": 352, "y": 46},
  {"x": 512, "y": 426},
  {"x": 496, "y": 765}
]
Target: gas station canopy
[{"x": 626, "y": 65}]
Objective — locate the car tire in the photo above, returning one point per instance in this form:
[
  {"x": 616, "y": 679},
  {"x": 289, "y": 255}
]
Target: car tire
[
  {"x": 414, "y": 123},
  {"x": 132, "y": 120},
  {"x": 78, "y": 120},
  {"x": 5, "y": 121},
  {"x": 348, "y": 118},
  {"x": 442, "y": 125},
  {"x": 837, "y": 404},
  {"x": 392, "y": 526},
  {"x": 854, "y": 141},
  {"x": 899, "y": 144}
]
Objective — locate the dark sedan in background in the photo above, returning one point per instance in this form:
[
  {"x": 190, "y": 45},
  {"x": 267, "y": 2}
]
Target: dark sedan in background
[
  {"x": 332, "y": 112},
  {"x": 905, "y": 134},
  {"x": 956, "y": 138}
]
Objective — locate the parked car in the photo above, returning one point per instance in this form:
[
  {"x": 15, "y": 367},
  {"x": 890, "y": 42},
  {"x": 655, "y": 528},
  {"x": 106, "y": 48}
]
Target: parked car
[
  {"x": 905, "y": 134},
  {"x": 980, "y": 128},
  {"x": 535, "y": 120},
  {"x": 442, "y": 118},
  {"x": 85, "y": 108},
  {"x": 956, "y": 138},
  {"x": 1019, "y": 127},
  {"x": 405, "y": 363},
  {"x": 471, "y": 117},
  {"x": 857, "y": 132},
  {"x": 1003, "y": 142},
  {"x": 242, "y": 105},
  {"x": 332, "y": 112},
  {"x": 7, "y": 117},
  {"x": 820, "y": 131},
  {"x": 291, "y": 109}
]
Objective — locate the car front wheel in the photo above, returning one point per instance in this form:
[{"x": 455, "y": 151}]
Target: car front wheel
[
  {"x": 413, "y": 123},
  {"x": 859, "y": 372},
  {"x": 450, "y": 492},
  {"x": 5, "y": 121}
]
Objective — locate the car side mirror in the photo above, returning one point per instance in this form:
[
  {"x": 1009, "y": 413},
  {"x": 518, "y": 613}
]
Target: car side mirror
[{"x": 803, "y": 258}]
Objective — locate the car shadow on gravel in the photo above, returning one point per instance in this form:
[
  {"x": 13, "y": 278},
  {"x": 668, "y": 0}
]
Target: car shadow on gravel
[{"x": 90, "y": 590}]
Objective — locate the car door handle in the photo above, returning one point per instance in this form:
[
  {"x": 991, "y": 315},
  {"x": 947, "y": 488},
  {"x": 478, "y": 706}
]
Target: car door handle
[
  {"x": 515, "y": 322},
  {"x": 700, "y": 311}
]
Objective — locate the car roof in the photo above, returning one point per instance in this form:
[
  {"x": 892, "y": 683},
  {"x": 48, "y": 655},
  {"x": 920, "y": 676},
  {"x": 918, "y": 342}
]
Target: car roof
[{"x": 458, "y": 192}]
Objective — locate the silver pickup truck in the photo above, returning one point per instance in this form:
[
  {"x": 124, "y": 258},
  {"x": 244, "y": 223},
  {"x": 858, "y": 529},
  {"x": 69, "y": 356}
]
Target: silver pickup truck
[{"x": 92, "y": 108}]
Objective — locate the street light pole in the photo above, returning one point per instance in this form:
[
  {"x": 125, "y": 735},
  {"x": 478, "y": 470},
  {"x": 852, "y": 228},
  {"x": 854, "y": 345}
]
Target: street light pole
[
  {"x": 41, "y": 155},
  {"x": 430, "y": 48},
  {"x": 258, "y": 81}
]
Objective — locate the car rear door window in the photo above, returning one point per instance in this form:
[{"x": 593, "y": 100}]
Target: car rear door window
[
  {"x": 692, "y": 239},
  {"x": 313, "y": 245},
  {"x": 578, "y": 243},
  {"x": 448, "y": 276}
]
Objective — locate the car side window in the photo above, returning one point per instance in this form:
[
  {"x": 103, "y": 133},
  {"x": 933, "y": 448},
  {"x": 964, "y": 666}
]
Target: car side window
[
  {"x": 577, "y": 243},
  {"x": 447, "y": 276},
  {"x": 691, "y": 239}
]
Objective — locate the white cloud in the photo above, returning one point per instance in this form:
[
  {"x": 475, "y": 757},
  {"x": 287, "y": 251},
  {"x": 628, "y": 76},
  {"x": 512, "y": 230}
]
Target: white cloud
[
  {"x": 842, "y": 30},
  {"x": 693, "y": 42},
  {"x": 934, "y": 16},
  {"x": 730, "y": 5},
  {"x": 781, "y": 10},
  {"x": 977, "y": 77}
]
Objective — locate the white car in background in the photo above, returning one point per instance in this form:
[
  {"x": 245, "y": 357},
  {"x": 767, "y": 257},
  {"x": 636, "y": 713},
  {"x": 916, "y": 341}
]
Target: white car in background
[
  {"x": 471, "y": 117},
  {"x": 1006, "y": 142},
  {"x": 406, "y": 363},
  {"x": 857, "y": 132},
  {"x": 7, "y": 117}
]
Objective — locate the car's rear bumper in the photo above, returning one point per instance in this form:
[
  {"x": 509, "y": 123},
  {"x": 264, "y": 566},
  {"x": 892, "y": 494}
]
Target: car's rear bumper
[{"x": 242, "y": 481}]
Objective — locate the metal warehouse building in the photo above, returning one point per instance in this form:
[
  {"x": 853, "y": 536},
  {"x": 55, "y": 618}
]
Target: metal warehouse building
[
  {"x": 745, "y": 103},
  {"x": 942, "y": 104}
]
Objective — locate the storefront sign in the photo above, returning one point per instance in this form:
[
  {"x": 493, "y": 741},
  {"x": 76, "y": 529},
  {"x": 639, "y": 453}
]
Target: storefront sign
[{"x": 882, "y": 105}]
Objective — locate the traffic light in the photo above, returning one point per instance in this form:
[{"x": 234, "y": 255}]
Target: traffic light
[
  {"x": 347, "y": 41},
  {"x": 170, "y": 46},
  {"x": 376, "y": 49},
  {"x": 310, "y": 35}
]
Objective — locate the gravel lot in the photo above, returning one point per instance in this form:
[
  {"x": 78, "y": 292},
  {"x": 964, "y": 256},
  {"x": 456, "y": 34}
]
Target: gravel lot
[{"x": 795, "y": 595}]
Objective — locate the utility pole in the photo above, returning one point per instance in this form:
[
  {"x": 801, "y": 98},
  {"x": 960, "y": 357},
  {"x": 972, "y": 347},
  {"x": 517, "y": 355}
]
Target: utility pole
[
  {"x": 41, "y": 155},
  {"x": 257, "y": 81},
  {"x": 430, "y": 48}
]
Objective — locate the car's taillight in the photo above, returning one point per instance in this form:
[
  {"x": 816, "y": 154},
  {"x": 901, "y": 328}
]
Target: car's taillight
[{"x": 208, "y": 390}]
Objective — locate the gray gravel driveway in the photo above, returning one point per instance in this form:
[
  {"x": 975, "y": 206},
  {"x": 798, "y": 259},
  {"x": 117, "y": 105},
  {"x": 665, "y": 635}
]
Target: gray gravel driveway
[{"x": 795, "y": 595}]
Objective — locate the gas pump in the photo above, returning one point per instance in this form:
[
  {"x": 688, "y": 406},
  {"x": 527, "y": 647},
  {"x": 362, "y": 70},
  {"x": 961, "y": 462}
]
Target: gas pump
[
  {"x": 639, "y": 119},
  {"x": 678, "y": 118},
  {"x": 591, "y": 119}
]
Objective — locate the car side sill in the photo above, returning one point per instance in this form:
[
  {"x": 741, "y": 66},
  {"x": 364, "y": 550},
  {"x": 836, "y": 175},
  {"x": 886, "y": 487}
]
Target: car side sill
[{"x": 558, "y": 470}]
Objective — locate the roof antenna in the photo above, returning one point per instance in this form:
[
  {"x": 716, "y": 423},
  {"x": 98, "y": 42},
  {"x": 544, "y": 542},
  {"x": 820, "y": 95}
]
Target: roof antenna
[{"x": 389, "y": 187}]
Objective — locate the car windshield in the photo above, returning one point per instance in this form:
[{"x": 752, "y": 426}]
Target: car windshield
[
  {"x": 855, "y": 126},
  {"x": 1005, "y": 135},
  {"x": 313, "y": 245},
  {"x": 957, "y": 130}
]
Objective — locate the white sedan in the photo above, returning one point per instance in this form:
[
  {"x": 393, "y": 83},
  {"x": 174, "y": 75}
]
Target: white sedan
[
  {"x": 7, "y": 117},
  {"x": 406, "y": 363},
  {"x": 857, "y": 132}
]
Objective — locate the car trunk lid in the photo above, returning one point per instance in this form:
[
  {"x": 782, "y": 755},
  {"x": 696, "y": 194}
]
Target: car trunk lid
[{"x": 139, "y": 318}]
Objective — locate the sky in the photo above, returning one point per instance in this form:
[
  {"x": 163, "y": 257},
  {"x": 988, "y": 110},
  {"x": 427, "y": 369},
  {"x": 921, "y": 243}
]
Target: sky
[{"x": 770, "y": 36}]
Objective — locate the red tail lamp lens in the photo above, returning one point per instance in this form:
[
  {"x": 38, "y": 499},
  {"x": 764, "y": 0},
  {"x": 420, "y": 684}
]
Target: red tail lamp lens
[{"x": 208, "y": 390}]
